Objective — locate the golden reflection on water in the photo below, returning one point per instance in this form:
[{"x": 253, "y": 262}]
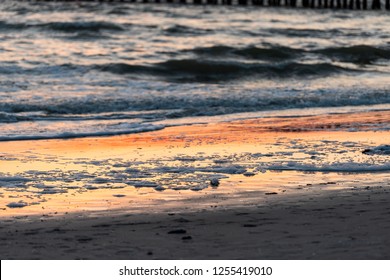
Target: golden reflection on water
[{"x": 251, "y": 136}]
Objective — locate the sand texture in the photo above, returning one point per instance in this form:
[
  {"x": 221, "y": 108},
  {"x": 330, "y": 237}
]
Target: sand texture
[{"x": 338, "y": 225}]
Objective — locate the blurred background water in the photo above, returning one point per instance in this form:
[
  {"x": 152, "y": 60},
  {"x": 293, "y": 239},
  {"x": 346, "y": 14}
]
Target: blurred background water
[{"x": 84, "y": 69}]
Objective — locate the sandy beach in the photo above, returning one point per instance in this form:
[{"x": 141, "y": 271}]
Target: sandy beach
[
  {"x": 268, "y": 200},
  {"x": 337, "y": 225}
]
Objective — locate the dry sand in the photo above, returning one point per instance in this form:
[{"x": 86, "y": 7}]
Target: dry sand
[{"x": 298, "y": 216}]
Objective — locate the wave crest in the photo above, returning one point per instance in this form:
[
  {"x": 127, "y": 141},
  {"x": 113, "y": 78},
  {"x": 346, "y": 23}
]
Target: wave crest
[{"x": 213, "y": 71}]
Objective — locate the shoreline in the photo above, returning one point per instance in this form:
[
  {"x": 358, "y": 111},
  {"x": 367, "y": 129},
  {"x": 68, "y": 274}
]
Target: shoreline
[
  {"x": 179, "y": 162},
  {"x": 149, "y": 196}
]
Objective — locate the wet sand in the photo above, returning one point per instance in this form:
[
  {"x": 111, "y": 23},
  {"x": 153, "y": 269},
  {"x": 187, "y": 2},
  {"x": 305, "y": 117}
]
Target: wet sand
[
  {"x": 350, "y": 224},
  {"x": 264, "y": 215}
]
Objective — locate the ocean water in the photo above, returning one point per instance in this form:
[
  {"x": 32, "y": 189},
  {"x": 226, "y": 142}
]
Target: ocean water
[{"x": 87, "y": 69}]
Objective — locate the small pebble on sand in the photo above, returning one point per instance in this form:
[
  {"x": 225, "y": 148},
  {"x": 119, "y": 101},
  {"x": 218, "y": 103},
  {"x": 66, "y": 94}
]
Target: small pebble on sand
[{"x": 214, "y": 182}]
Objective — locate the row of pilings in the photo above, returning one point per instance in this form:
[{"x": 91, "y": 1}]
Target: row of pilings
[{"x": 326, "y": 4}]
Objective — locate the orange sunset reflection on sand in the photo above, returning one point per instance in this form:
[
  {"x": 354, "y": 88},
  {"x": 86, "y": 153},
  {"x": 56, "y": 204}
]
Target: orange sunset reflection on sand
[{"x": 181, "y": 147}]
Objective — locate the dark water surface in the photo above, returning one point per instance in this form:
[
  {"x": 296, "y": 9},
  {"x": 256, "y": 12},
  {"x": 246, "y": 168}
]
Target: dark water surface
[{"x": 70, "y": 70}]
